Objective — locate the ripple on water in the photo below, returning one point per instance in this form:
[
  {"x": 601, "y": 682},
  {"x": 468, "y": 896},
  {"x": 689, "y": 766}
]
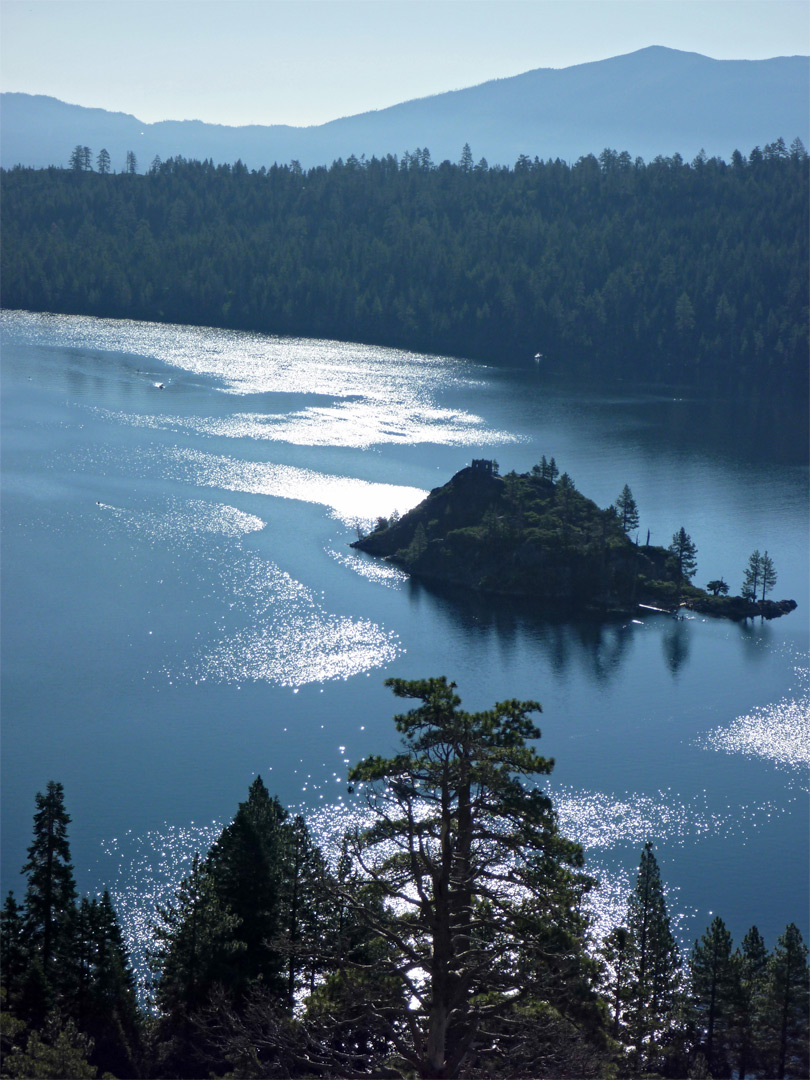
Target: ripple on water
[
  {"x": 355, "y": 424},
  {"x": 354, "y": 502},
  {"x": 778, "y": 732},
  {"x": 283, "y": 634},
  {"x": 261, "y": 625}
]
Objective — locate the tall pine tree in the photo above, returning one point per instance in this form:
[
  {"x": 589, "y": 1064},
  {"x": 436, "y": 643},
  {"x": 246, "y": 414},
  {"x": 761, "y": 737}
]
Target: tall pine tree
[
  {"x": 50, "y": 900},
  {"x": 712, "y": 984},
  {"x": 655, "y": 983}
]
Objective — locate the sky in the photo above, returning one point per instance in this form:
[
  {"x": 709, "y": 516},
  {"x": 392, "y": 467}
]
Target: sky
[{"x": 304, "y": 62}]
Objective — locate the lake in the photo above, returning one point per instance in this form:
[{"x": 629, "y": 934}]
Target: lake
[{"x": 182, "y": 610}]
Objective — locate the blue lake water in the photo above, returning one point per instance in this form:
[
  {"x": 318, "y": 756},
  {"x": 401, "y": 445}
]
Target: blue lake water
[{"x": 181, "y": 609}]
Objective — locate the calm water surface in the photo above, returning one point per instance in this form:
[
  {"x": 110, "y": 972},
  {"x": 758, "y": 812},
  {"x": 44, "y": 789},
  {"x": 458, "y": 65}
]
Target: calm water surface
[{"x": 181, "y": 609}]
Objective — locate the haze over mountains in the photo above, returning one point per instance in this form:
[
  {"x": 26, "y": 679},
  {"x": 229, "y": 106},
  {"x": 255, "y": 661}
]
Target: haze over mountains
[{"x": 650, "y": 102}]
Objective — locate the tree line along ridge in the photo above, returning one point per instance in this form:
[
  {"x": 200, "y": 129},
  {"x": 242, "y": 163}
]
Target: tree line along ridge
[{"x": 686, "y": 271}]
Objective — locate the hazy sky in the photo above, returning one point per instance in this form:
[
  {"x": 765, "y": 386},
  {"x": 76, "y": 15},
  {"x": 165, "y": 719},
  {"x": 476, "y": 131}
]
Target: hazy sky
[{"x": 308, "y": 61}]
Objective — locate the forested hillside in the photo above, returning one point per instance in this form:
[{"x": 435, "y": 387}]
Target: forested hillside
[{"x": 685, "y": 271}]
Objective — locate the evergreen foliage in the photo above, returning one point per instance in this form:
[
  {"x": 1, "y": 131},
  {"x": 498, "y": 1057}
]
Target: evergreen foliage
[
  {"x": 68, "y": 990},
  {"x": 483, "y": 895},
  {"x": 750, "y": 966},
  {"x": 449, "y": 939},
  {"x": 684, "y": 554},
  {"x": 654, "y": 997},
  {"x": 785, "y": 1008},
  {"x": 686, "y": 272},
  {"x": 627, "y": 510},
  {"x": 712, "y": 981}
]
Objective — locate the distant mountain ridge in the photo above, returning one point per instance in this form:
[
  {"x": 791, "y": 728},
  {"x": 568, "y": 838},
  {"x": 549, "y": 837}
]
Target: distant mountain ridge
[{"x": 653, "y": 101}]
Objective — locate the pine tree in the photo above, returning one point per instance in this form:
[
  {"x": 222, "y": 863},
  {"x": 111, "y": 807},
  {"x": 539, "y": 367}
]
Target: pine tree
[
  {"x": 752, "y": 576},
  {"x": 246, "y": 868},
  {"x": 786, "y": 1008},
  {"x": 103, "y": 162},
  {"x": 618, "y": 955},
  {"x": 195, "y": 946},
  {"x": 712, "y": 984},
  {"x": 50, "y": 902},
  {"x": 655, "y": 979},
  {"x": 750, "y": 967},
  {"x": 767, "y": 574},
  {"x": 111, "y": 1015},
  {"x": 13, "y": 947},
  {"x": 304, "y": 916},
  {"x": 684, "y": 554},
  {"x": 628, "y": 511},
  {"x": 470, "y": 852}
]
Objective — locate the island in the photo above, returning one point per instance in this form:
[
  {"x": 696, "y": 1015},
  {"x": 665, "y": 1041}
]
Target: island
[{"x": 535, "y": 536}]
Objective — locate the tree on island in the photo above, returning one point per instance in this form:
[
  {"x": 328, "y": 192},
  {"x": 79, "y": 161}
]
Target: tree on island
[
  {"x": 752, "y": 575},
  {"x": 767, "y": 574},
  {"x": 717, "y": 587},
  {"x": 628, "y": 511},
  {"x": 684, "y": 553},
  {"x": 759, "y": 576},
  {"x": 131, "y": 165},
  {"x": 103, "y": 162}
]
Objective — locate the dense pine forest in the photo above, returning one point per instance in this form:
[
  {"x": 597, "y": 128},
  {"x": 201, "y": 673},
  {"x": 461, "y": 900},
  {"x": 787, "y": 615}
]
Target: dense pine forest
[
  {"x": 449, "y": 936},
  {"x": 665, "y": 270}
]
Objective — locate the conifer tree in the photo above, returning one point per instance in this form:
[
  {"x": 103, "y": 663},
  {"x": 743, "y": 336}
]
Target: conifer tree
[
  {"x": 654, "y": 994},
  {"x": 786, "y": 1008},
  {"x": 752, "y": 575},
  {"x": 767, "y": 574},
  {"x": 684, "y": 554},
  {"x": 246, "y": 868},
  {"x": 50, "y": 901},
  {"x": 712, "y": 984},
  {"x": 628, "y": 511},
  {"x": 470, "y": 852},
  {"x": 195, "y": 944},
  {"x": 618, "y": 954},
  {"x": 750, "y": 967},
  {"x": 13, "y": 950}
]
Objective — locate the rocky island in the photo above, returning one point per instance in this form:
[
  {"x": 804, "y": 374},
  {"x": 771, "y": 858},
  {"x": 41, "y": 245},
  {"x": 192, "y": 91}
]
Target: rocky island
[{"x": 535, "y": 536}]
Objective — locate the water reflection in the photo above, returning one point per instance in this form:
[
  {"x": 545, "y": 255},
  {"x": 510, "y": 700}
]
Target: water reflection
[
  {"x": 675, "y": 643},
  {"x": 597, "y": 646}
]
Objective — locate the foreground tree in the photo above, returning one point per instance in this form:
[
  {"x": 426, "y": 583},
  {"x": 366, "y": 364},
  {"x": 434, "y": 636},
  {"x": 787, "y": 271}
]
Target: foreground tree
[
  {"x": 655, "y": 983},
  {"x": 67, "y": 981},
  {"x": 712, "y": 984},
  {"x": 784, "y": 1017},
  {"x": 465, "y": 853},
  {"x": 750, "y": 967},
  {"x": 50, "y": 900}
]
